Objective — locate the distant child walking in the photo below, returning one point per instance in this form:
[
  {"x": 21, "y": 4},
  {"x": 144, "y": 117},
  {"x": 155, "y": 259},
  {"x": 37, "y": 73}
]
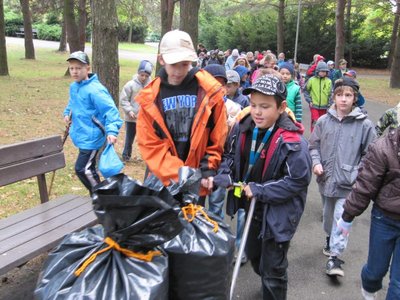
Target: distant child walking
[
  {"x": 337, "y": 144},
  {"x": 293, "y": 98},
  {"x": 318, "y": 92},
  {"x": 267, "y": 153},
  {"x": 130, "y": 106},
  {"x": 94, "y": 116},
  {"x": 182, "y": 116}
]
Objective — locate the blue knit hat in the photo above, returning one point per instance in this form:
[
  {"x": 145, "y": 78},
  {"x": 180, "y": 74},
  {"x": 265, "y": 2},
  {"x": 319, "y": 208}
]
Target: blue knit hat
[
  {"x": 216, "y": 71},
  {"x": 145, "y": 66},
  {"x": 287, "y": 66}
]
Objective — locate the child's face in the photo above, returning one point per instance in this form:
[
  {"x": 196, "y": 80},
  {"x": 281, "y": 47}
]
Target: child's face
[
  {"x": 286, "y": 76},
  {"x": 241, "y": 62},
  {"x": 264, "y": 110},
  {"x": 322, "y": 74},
  {"x": 231, "y": 88},
  {"x": 143, "y": 76},
  {"x": 176, "y": 72},
  {"x": 344, "y": 101},
  {"x": 343, "y": 66},
  {"x": 79, "y": 71}
]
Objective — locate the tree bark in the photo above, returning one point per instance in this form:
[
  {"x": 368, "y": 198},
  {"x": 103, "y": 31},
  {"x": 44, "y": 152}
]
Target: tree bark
[
  {"x": 28, "y": 35},
  {"x": 82, "y": 23},
  {"x": 348, "y": 34},
  {"x": 167, "y": 14},
  {"x": 394, "y": 34},
  {"x": 189, "y": 18},
  {"x": 339, "y": 48},
  {"x": 395, "y": 70},
  {"x": 63, "y": 39},
  {"x": 105, "y": 45},
  {"x": 3, "y": 49},
  {"x": 280, "y": 26},
  {"x": 72, "y": 28}
]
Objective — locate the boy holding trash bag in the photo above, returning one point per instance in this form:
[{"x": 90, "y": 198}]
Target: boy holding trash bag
[
  {"x": 268, "y": 156},
  {"x": 182, "y": 120},
  {"x": 94, "y": 117}
]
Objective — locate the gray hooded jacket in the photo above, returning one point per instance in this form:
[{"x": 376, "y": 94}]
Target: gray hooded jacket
[{"x": 339, "y": 146}]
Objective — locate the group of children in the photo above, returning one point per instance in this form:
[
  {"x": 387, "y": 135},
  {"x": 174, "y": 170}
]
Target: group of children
[{"x": 258, "y": 151}]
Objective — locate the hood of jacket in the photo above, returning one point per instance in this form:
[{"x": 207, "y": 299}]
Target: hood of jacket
[{"x": 356, "y": 113}]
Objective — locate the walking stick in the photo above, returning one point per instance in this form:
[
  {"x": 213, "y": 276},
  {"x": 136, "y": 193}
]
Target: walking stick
[
  {"x": 64, "y": 139},
  {"x": 242, "y": 245}
]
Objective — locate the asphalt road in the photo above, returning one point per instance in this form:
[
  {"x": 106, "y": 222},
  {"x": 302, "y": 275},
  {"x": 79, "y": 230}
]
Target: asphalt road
[{"x": 307, "y": 278}]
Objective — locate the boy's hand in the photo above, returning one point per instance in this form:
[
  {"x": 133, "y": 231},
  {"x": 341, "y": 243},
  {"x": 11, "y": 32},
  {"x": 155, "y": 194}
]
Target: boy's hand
[
  {"x": 343, "y": 227},
  {"x": 111, "y": 139},
  {"x": 247, "y": 191},
  {"x": 207, "y": 183},
  {"x": 132, "y": 114},
  {"x": 66, "y": 119},
  {"x": 318, "y": 170}
]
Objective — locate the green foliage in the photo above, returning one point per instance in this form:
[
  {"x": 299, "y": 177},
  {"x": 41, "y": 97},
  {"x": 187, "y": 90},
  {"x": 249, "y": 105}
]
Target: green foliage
[
  {"x": 48, "y": 32},
  {"x": 139, "y": 32},
  {"x": 13, "y": 21}
]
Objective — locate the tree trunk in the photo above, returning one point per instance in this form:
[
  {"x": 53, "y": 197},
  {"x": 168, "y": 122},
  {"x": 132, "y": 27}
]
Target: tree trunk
[
  {"x": 26, "y": 13},
  {"x": 280, "y": 31},
  {"x": 3, "y": 49},
  {"x": 105, "y": 45},
  {"x": 339, "y": 49},
  {"x": 394, "y": 34},
  {"x": 348, "y": 34},
  {"x": 395, "y": 70},
  {"x": 63, "y": 40},
  {"x": 189, "y": 18},
  {"x": 72, "y": 28},
  {"x": 82, "y": 23},
  {"x": 167, "y": 14}
]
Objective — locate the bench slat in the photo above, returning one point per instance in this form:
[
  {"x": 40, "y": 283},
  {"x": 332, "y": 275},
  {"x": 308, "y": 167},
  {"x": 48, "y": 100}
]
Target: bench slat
[
  {"x": 42, "y": 228},
  {"x": 45, "y": 242},
  {"x": 14, "y": 219},
  {"x": 24, "y": 170},
  {"x": 10, "y": 154},
  {"x": 35, "y": 219}
]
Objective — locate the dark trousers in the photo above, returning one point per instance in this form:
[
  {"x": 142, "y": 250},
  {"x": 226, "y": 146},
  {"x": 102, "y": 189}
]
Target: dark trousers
[
  {"x": 85, "y": 168},
  {"x": 269, "y": 260},
  {"x": 130, "y": 128}
]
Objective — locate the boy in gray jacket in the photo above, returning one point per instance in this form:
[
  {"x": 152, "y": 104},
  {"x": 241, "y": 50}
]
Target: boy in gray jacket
[
  {"x": 339, "y": 140},
  {"x": 130, "y": 106}
]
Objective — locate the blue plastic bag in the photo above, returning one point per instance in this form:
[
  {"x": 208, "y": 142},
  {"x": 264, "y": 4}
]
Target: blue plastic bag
[{"x": 110, "y": 164}]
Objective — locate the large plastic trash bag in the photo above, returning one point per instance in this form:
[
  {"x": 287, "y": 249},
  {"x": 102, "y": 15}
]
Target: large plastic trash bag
[
  {"x": 200, "y": 257},
  {"x": 121, "y": 261},
  {"x": 111, "y": 276}
]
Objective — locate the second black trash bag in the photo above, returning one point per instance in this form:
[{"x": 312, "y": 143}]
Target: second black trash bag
[{"x": 200, "y": 257}]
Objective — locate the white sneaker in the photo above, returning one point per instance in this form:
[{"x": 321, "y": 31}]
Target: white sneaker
[{"x": 367, "y": 295}]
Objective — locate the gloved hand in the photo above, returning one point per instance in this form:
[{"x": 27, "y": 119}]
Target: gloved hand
[{"x": 343, "y": 227}]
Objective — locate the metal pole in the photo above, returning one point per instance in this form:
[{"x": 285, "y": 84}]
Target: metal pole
[
  {"x": 242, "y": 245},
  {"x": 297, "y": 31}
]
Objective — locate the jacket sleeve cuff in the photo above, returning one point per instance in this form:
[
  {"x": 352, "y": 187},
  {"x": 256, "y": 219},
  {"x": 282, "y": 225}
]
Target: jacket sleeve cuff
[{"x": 347, "y": 217}]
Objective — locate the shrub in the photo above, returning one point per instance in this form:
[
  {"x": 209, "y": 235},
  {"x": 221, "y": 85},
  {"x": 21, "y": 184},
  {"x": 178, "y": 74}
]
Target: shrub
[
  {"x": 13, "y": 22},
  {"x": 48, "y": 32}
]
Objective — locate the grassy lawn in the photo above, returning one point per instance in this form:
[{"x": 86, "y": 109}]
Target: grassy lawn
[
  {"x": 377, "y": 89},
  {"x": 32, "y": 100}
]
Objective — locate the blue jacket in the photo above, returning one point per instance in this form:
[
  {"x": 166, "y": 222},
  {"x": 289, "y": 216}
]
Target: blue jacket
[
  {"x": 94, "y": 114},
  {"x": 281, "y": 190}
]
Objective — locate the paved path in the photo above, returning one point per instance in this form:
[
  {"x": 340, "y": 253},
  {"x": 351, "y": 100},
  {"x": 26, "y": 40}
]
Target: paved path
[{"x": 307, "y": 279}]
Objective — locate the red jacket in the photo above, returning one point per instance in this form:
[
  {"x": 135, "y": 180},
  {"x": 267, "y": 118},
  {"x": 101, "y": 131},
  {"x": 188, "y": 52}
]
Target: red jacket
[{"x": 208, "y": 133}]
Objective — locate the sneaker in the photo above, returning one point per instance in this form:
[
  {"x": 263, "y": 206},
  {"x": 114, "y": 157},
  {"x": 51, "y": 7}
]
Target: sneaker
[
  {"x": 243, "y": 260},
  {"x": 334, "y": 266},
  {"x": 367, "y": 295},
  {"x": 327, "y": 250}
]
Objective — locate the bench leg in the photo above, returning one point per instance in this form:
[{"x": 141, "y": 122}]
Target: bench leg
[{"x": 44, "y": 196}]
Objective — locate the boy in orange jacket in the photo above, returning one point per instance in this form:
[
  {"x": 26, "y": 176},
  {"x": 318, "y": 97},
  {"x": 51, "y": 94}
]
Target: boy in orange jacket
[{"x": 182, "y": 120}]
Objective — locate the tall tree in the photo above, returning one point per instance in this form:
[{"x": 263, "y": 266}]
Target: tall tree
[
  {"x": 394, "y": 33},
  {"x": 280, "y": 32},
  {"x": 189, "y": 18},
  {"x": 26, "y": 14},
  {"x": 3, "y": 50},
  {"x": 82, "y": 21},
  {"x": 63, "y": 39},
  {"x": 348, "y": 34},
  {"x": 395, "y": 70},
  {"x": 340, "y": 41},
  {"x": 167, "y": 15},
  {"x": 105, "y": 45},
  {"x": 76, "y": 29}
]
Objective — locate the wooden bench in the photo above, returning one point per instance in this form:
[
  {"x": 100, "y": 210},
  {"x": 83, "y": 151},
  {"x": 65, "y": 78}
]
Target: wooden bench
[
  {"x": 21, "y": 32},
  {"x": 27, "y": 234}
]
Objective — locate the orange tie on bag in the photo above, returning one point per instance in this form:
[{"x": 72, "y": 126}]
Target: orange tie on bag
[{"x": 190, "y": 211}]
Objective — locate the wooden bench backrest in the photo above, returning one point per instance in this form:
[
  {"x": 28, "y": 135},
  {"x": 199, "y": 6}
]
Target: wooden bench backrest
[{"x": 31, "y": 158}]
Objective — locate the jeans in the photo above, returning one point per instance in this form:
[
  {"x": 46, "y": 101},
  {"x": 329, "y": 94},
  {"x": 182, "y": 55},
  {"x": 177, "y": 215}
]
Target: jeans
[
  {"x": 333, "y": 210},
  {"x": 216, "y": 202},
  {"x": 384, "y": 246},
  {"x": 241, "y": 222},
  {"x": 85, "y": 168},
  {"x": 130, "y": 128},
  {"x": 269, "y": 260}
]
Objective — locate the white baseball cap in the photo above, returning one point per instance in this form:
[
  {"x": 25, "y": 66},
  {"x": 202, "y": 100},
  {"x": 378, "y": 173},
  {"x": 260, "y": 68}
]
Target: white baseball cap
[{"x": 177, "y": 46}]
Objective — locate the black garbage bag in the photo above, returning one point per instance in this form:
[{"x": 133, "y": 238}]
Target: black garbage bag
[
  {"x": 112, "y": 275},
  {"x": 200, "y": 257},
  {"x": 121, "y": 258}
]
